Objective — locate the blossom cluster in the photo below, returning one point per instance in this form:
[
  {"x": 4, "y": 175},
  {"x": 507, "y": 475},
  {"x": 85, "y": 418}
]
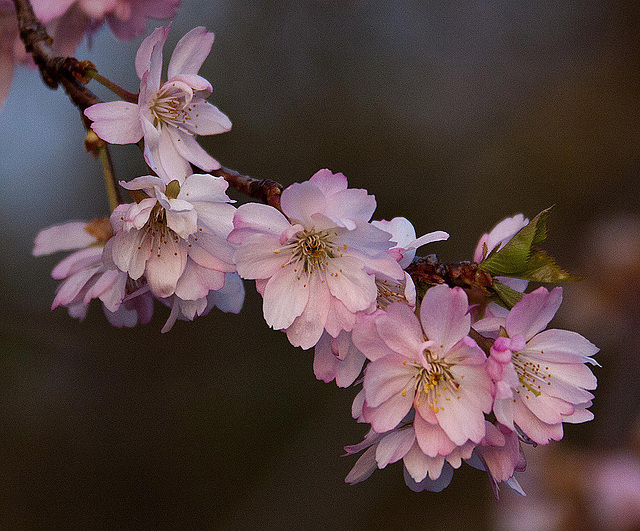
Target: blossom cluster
[{"x": 451, "y": 371}]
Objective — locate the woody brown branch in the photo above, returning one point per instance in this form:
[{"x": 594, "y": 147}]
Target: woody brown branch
[
  {"x": 264, "y": 190},
  {"x": 426, "y": 271}
]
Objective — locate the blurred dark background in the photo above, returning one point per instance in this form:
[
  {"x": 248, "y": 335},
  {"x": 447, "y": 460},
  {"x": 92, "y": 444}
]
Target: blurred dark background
[{"x": 454, "y": 115}]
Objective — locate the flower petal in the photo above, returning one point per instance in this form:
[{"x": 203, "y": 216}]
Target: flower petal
[
  {"x": 285, "y": 297},
  {"x": 65, "y": 237},
  {"x": 533, "y": 313},
  {"x": 444, "y": 315},
  {"x": 116, "y": 122},
  {"x": 190, "y": 52}
]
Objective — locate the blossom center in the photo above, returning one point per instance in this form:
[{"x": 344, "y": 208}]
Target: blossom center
[
  {"x": 172, "y": 104},
  {"x": 532, "y": 375},
  {"x": 312, "y": 249},
  {"x": 432, "y": 380},
  {"x": 389, "y": 292},
  {"x": 158, "y": 231}
]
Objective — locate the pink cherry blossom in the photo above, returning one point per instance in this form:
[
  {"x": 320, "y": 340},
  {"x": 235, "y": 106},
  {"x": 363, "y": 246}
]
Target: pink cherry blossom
[
  {"x": 168, "y": 115},
  {"x": 68, "y": 21},
  {"x": 430, "y": 365},
  {"x": 540, "y": 375},
  {"x": 316, "y": 262},
  {"x": 175, "y": 237},
  {"x": 85, "y": 277}
]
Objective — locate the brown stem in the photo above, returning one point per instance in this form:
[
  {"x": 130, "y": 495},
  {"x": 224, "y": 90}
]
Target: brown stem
[
  {"x": 55, "y": 70},
  {"x": 264, "y": 190},
  {"x": 428, "y": 270}
]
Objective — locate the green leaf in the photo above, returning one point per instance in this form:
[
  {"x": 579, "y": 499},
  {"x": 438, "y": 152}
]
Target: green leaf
[
  {"x": 543, "y": 268},
  {"x": 506, "y": 296},
  {"x": 513, "y": 257}
]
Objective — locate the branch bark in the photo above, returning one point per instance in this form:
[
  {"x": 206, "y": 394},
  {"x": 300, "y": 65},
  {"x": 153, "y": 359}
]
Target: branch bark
[{"x": 264, "y": 190}]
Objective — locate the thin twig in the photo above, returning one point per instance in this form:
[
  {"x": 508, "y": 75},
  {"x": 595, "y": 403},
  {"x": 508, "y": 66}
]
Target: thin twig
[
  {"x": 113, "y": 190},
  {"x": 264, "y": 190}
]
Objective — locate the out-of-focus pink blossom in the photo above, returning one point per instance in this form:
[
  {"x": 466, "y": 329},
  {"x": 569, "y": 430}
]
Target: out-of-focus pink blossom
[
  {"x": 316, "y": 262},
  {"x": 168, "y": 115},
  {"x": 68, "y": 21},
  {"x": 541, "y": 377},
  {"x": 85, "y": 277},
  {"x": 176, "y": 237},
  {"x": 430, "y": 365}
]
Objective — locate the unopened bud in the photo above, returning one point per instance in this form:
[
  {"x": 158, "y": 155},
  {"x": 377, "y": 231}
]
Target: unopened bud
[{"x": 93, "y": 143}]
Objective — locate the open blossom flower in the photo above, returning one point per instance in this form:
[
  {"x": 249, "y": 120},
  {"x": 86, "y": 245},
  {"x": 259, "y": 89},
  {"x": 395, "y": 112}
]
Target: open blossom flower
[
  {"x": 338, "y": 358},
  {"x": 541, "y": 377},
  {"x": 68, "y": 21},
  {"x": 315, "y": 262},
  {"x": 176, "y": 237},
  {"x": 432, "y": 366},
  {"x": 85, "y": 277},
  {"x": 168, "y": 115}
]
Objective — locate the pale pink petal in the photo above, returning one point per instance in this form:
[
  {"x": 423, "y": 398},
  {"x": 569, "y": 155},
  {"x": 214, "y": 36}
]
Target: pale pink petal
[
  {"x": 416, "y": 463},
  {"x": 444, "y": 315},
  {"x": 116, "y": 122},
  {"x": 212, "y": 252},
  {"x": 182, "y": 223},
  {"x": 146, "y": 55},
  {"x": 187, "y": 146},
  {"x": 548, "y": 409},
  {"x": 190, "y": 52},
  {"x": 389, "y": 414},
  {"x": 261, "y": 257},
  {"x": 300, "y": 201},
  {"x": 387, "y": 377},
  {"x": 146, "y": 182},
  {"x": 306, "y": 329},
  {"x": 339, "y": 318},
  {"x": 65, "y": 237},
  {"x": 204, "y": 187},
  {"x": 533, "y": 313},
  {"x": 461, "y": 419},
  {"x": 561, "y": 346},
  {"x": 130, "y": 251},
  {"x": 71, "y": 287},
  {"x": 285, "y": 297},
  {"x": 431, "y": 438},
  {"x": 76, "y": 262},
  {"x": 112, "y": 296},
  {"x": 167, "y": 162},
  {"x": 350, "y": 206},
  {"x": 443, "y": 478},
  {"x": 500, "y": 234},
  {"x": 255, "y": 217},
  {"x": 328, "y": 182},
  {"x": 165, "y": 266},
  {"x": 195, "y": 82},
  {"x": 533, "y": 427},
  {"x": 364, "y": 467},
  {"x": 206, "y": 119},
  {"x": 400, "y": 329},
  {"x": 350, "y": 367},
  {"x": 349, "y": 283},
  {"x": 215, "y": 218},
  {"x": 196, "y": 281},
  {"x": 394, "y": 447}
]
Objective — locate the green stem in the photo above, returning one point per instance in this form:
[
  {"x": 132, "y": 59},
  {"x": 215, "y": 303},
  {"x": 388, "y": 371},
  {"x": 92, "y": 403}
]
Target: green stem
[
  {"x": 113, "y": 191},
  {"x": 116, "y": 89}
]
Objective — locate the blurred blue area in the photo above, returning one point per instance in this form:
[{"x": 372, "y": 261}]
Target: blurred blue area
[{"x": 454, "y": 115}]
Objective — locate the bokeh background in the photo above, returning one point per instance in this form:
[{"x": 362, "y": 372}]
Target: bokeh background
[{"x": 455, "y": 115}]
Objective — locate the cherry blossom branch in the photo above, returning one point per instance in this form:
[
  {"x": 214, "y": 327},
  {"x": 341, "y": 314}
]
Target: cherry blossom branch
[
  {"x": 428, "y": 271},
  {"x": 264, "y": 190}
]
